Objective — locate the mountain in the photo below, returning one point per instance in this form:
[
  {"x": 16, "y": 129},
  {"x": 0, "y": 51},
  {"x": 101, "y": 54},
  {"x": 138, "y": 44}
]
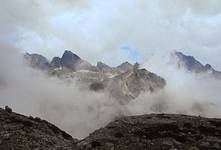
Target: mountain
[
  {"x": 103, "y": 67},
  {"x": 71, "y": 61},
  {"x": 154, "y": 132},
  {"x": 130, "y": 84},
  {"x": 124, "y": 82},
  {"x": 37, "y": 61},
  {"x": 124, "y": 67},
  {"x": 56, "y": 62},
  {"x": 192, "y": 65},
  {"x": 68, "y": 62}
]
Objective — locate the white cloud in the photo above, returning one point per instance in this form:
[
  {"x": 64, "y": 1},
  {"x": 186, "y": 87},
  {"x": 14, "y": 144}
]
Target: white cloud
[{"x": 94, "y": 28}]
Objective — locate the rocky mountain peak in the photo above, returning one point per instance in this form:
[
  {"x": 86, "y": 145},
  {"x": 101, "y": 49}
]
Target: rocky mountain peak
[
  {"x": 124, "y": 82},
  {"x": 37, "y": 61},
  {"x": 191, "y": 64},
  {"x": 101, "y": 66},
  {"x": 56, "y": 62},
  {"x": 69, "y": 59},
  {"x": 126, "y": 66}
]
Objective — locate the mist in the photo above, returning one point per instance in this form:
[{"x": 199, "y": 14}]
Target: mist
[
  {"x": 31, "y": 92},
  {"x": 192, "y": 26},
  {"x": 80, "y": 112},
  {"x": 97, "y": 31}
]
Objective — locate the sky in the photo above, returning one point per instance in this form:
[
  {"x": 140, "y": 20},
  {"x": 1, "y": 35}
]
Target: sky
[{"x": 114, "y": 31}]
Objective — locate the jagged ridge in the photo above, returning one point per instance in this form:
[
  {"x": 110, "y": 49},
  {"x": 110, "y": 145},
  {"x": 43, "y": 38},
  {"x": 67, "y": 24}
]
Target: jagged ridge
[
  {"x": 123, "y": 82},
  {"x": 192, "y": 65}
]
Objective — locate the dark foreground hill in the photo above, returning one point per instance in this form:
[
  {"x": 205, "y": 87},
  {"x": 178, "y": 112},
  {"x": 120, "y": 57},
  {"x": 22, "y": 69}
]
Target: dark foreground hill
[
  {"x": 147, "y": 132},
  {"x": 18, "y": 132},
  {"x": 157, "y": 132}
]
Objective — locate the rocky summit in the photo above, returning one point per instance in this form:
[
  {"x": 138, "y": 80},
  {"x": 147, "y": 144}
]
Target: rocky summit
[
  {"x": 190, "y": 64},
  {"x": 146, "y": 132}
]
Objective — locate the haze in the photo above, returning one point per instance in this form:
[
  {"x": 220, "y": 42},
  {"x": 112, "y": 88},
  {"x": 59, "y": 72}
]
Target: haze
[{"x": 125, "y": 30}]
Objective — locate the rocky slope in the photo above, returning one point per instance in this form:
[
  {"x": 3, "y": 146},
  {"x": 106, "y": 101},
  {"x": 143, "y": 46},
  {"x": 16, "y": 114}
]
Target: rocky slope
[
  {"x": 151, "y": 132},
  {"x": 129, "y": 85},
  {"x": 190, "y": 64},
  {"x": 18, "y": 132},
  {"x": 157, "y": 132}
]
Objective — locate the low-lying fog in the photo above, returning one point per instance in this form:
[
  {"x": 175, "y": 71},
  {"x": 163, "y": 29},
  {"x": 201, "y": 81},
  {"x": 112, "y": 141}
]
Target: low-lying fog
[{"x": 78, "y": 112}]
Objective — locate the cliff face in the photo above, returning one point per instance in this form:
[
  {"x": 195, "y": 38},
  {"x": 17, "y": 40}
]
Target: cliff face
[{"x": 152, "y": 132}]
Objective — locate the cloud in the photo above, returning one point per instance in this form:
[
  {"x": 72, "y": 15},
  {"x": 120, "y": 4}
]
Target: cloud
[
  {"x": 156, "y": 25},
  {"x": 79, "y": 111},
  {"x": 198, "y": 7},
  {"x": 96, "y": 30},
  {"x": 31, "y": 92}
]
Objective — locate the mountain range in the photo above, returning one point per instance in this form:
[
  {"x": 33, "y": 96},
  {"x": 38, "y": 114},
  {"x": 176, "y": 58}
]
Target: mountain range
[{"x": 124, "y": 82}]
